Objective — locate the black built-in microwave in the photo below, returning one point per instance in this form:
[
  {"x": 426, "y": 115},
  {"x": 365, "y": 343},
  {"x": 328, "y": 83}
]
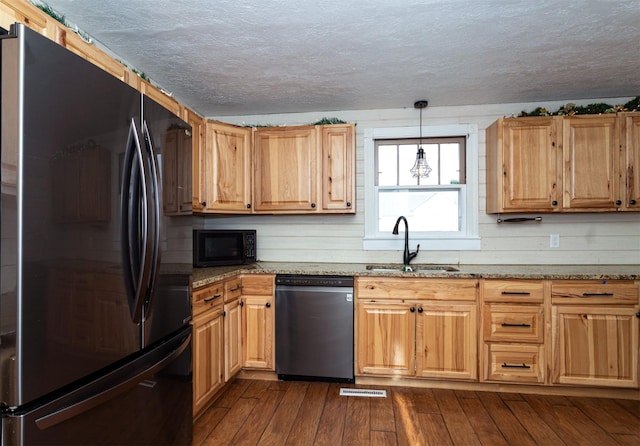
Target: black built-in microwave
[{"x": 218, "y": 247}]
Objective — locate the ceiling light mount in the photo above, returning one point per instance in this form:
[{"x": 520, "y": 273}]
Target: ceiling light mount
[{"x": 421, "y": 104}]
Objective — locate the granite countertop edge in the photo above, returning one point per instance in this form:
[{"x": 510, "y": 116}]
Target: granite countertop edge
[{"x": 205, "y": 276}]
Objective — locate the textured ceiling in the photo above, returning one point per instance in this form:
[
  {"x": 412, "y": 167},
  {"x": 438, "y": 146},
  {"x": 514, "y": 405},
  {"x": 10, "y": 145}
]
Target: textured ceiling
[{"x": 237, "y": 57}]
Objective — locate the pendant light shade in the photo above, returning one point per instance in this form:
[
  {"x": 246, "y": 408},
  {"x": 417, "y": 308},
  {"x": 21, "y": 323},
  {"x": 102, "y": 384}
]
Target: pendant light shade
[{"x": 420, "y": 168}]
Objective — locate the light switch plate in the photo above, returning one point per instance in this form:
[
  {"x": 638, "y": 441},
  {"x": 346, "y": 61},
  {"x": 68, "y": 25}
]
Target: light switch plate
[{"x": 554, "y": 241}]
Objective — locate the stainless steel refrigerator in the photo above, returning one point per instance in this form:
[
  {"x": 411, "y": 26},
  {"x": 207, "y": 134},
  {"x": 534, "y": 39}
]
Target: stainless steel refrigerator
[{"x": 94, "y": 328}]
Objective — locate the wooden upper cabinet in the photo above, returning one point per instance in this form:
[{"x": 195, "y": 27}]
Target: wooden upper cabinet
[
  {"x": 226, "y": 169},
  {"x": 522, "y": 165},
  {"x": 631, "y": 165},
  {"x": 338, "y": 182},
  {"x": 591, "y": 170},
  {"x": 197, "y": 124},
  {"x": 564, "y": 163},
  {"x": 286, "y": 174},
  {"x": 176, "y": 167}
]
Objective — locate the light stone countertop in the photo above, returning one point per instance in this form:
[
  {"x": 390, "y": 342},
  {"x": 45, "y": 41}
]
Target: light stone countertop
[{"x": 205, "y": 276}]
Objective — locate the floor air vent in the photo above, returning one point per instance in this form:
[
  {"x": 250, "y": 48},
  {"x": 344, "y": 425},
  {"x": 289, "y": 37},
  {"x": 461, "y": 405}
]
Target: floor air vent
[{"x": 363, "y": 392}]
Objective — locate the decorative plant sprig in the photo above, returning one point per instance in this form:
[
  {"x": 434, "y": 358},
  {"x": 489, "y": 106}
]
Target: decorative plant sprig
[
  {"x": 49, "y": 11},
  {"x": 571, "y": 109}
]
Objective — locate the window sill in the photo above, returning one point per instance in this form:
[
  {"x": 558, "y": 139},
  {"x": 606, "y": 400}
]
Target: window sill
[{"x": 426, "y": 244}]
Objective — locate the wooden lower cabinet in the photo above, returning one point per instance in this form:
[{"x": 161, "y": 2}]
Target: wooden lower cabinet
[
  {"x": 258, "y": 322},
  {"x": 595, "y": 332},
  {"x": 595, "y": 345},
  {"x": 217, "y": 330},
  {"x": 447, "y": 340},
  {"x": 419, "y": 339},
  {"x": 232, "y": 339},
  {"x": 513, "y": 331},
  {"x": 208, "y": 344},
  {"x": 517, "y": 363},
  {"x": 386, "y": 338}
]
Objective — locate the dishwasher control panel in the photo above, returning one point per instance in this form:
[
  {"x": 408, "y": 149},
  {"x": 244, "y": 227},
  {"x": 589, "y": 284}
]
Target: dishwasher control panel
[{"x": 313, "y": 280}]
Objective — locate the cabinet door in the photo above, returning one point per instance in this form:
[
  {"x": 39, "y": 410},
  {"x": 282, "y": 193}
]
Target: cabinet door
[
  {"x": 207, "y": 358},
  {"x": 227, "y": 169},
  {"x": 447, "y": 341},
  {"x": 176, "y": 170},
  {"x": 170, "y": 173},
  {"x": 197, "y": 160},
  {"x": 595, "y": 345},
  {"x": 523, "y": 165},
  {"x": 286, "y": 172},
  {"x": 631, "y": 167},
  {"x": 258, "y": 332},
  {"x": 591, "y": 162},
  {"x": 386, "y": 338},
  {"x": 338, "y": 174},
  {"x": 232, "y": 339},
  {"x": 185, "y": 166}
]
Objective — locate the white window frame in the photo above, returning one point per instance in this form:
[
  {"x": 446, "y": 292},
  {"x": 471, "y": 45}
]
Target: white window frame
[{"x": 468, "y": 238}]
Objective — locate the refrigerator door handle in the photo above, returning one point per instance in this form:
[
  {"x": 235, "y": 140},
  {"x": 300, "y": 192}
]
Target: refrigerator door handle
[
  {"x": 133, "y": 223},
  {"x": 154, "y": 186},
  {"x": 86, "y": 404}
]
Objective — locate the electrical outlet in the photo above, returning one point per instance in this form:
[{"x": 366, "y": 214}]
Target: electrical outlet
[{"x": 554, "y": 241}]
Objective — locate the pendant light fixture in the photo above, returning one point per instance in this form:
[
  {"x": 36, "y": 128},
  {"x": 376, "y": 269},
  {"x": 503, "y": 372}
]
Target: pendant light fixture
[{"x": 420, "y": 168}]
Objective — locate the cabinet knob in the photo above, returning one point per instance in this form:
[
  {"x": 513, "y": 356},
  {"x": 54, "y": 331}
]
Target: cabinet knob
[
  {"x": 203, "y": 204},
  {"x": 248, "y": 205},
  {"x": 420, "y": 310},
  {"x": 554, "y": 203},
  {"x": 348, "y": 204},
  {"x": 241, "y": 303},
  {"x": 313, "y": 205},
  {"x": 412, "y": 309},
  {"x": 268, "y": 305},
  {"x": 632, "y": 202},
  {"x": 224, "y": 313},
  {"x": 618, "y": 202},
  {"x": 638, "y": 314}
]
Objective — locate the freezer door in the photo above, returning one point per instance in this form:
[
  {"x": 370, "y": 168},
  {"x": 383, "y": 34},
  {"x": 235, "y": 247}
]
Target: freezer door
[{"x": 144, "y": 402}]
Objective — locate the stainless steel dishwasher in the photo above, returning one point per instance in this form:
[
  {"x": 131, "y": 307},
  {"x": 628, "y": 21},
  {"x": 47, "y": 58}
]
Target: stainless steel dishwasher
[{"x": 314, "y": 328}]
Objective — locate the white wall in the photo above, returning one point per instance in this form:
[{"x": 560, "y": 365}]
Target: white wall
[{"x": 610, "y": 238}]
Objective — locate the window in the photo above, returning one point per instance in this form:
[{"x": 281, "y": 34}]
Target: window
[{"x": 442, "y": 208}]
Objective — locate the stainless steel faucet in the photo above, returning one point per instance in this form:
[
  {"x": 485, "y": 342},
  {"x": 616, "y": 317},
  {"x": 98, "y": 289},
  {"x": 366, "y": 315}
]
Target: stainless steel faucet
[{"x": 407, "y": 257}]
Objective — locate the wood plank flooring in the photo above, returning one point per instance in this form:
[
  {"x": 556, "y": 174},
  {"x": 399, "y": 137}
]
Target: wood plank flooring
[{"x": 253, "y": 412}]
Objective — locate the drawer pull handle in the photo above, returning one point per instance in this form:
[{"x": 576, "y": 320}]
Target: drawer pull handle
[
  {"x": 239, "y": 287},
  {"x": 597, "y": 294},
  {"x": 215, "y": 296},
  {"x": 506, "y": 324},
  {"x": 515, "y": 366},
  {"x": 516, "y": 293}
]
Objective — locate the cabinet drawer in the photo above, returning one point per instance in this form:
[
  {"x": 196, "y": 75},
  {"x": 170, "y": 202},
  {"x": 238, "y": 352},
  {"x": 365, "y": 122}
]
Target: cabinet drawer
[
  {"x": 259, "y": 284},
  {"x": 513, "y": 323},
  {"x": 205, "y": 298},
  {"x": 416, "y": 288},
  {"x": 514, "y": 363},
  {"x": 513, "y": 291},
  {"x": 232, "y": 289},
  {"x": 619, "y": 292}
]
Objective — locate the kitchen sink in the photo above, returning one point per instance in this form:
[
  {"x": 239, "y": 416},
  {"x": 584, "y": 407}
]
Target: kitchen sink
[{"x": 414, "y": 268}]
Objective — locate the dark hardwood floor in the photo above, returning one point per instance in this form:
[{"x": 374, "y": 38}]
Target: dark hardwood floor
[{"x": 253, "y": 412}]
